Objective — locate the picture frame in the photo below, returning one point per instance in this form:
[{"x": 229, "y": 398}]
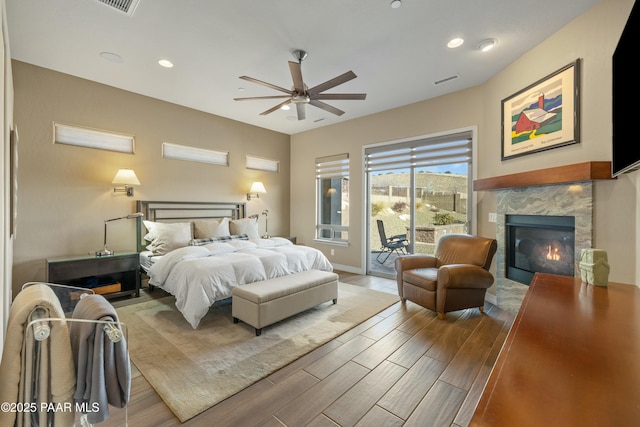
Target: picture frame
[{"x": 543, "y": 115}]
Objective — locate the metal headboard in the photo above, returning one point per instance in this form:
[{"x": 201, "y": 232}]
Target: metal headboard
[{"x": 184, "y": 211}]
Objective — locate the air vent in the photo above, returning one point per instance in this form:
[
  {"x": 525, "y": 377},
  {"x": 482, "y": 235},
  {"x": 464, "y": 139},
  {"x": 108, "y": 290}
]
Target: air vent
[
  {"x": 124, "y": 6},
  {"x": 446, "y": 79}
]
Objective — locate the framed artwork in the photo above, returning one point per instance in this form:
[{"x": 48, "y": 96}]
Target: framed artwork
[{"x": 544, "y": 115}]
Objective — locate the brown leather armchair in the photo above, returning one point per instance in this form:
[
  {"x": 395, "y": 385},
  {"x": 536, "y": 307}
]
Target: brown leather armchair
[{"x": 455, "y": 278}]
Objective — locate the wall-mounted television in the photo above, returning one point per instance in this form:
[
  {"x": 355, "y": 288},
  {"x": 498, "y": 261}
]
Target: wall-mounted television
[{"x": 626, "y": 84}]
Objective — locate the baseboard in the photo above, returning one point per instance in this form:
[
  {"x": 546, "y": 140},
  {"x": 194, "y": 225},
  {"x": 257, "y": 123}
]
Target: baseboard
[
  {"x": 491, "y": 298},
  {"x": 348, "y": 269}
]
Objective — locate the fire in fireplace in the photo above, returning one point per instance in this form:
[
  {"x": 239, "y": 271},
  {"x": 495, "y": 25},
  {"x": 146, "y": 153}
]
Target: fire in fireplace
[{"x": 539, "y": 243}]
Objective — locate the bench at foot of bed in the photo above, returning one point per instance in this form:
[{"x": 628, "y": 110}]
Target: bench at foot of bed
[{"x": 263, "y": 303}]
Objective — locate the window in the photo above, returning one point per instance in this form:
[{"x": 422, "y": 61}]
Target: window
[
  {"x": 332, "y": 193},
  {"x": 420, "y": 189},
  {"x": 193, "y": 154},
  {"x": 92, "y": 138},
  {"x": 261, "y": 164}
]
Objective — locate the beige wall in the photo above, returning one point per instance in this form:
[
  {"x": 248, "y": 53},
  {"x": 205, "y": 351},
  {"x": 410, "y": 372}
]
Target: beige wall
[
  {"x": 459, "y": 110},
  {"x": 65, "y": 192},
  {"x": 592, "y": 37}
]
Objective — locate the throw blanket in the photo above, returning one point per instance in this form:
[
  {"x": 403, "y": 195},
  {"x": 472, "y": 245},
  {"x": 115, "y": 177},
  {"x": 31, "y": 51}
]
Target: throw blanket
[
  {"x": 103, "y": 369},
  {"x": 198, "y": 276},
  {"x": 37, "y": 372}
]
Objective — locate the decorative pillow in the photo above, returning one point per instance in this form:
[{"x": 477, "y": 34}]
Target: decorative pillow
[
  {"x": 248, "y": 226},
  {"x": 207, "y": 240},
  {"x": 165, "y": 236},
  {"x": 204, "y": 228}
]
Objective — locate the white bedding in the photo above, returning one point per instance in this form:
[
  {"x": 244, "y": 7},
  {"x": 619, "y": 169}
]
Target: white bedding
[{"x": 198, "y": 276}]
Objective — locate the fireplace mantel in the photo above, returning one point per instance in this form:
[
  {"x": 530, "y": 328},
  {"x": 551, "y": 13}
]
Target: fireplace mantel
[{"x": 587, "y": 171}]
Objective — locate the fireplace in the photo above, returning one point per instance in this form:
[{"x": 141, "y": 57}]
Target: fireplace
[
  {"x": 556, "y": 191},
  {"x": 539, "y": 243}
]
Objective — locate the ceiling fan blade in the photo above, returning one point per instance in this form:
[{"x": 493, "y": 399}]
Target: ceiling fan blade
[
  {"x": 349, "y": 96},
  {"x": 277, "y": 107},
  {"x": 349, "y": 75},
  {"x": 296, "y": 75},
  {"x": 302, "y": 113},
  {"x": 260, "y": 82},
  {"x": 262, "y": 97},
  {"x": 326, "y": 107}
]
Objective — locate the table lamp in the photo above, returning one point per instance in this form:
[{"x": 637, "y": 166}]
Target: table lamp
[{"x": 106, "y": 251}]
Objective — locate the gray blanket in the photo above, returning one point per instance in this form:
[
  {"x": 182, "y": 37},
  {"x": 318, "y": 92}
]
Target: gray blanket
[{"x": 102, "y": 365}]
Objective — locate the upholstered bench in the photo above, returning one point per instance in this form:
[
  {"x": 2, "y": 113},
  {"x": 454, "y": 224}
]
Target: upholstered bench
[{"x": 263, "y": 303}]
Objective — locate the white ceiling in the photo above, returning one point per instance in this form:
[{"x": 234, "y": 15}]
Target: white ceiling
[{"x": 397, "y": 54}]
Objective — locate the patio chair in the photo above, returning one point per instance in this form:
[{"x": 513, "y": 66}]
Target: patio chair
[{"x": 397, "y": 243}]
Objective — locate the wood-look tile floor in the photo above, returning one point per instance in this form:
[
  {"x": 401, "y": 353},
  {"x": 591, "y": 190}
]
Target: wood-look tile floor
[{"x": 403, "y": 367}]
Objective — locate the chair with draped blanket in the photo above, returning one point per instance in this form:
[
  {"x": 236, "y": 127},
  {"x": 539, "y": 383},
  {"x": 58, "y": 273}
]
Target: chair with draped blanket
[{"x": 35, "y": 370}]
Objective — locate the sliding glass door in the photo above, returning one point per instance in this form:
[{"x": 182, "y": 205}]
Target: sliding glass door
[{"x": 417, "y": 191}]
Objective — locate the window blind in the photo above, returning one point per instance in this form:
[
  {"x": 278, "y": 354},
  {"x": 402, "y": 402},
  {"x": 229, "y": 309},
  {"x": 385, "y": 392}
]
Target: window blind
[
  {"x": 433, "y": 151},
  {"x": 332, "y": 166},
  {"x": 92, "y": 138}
]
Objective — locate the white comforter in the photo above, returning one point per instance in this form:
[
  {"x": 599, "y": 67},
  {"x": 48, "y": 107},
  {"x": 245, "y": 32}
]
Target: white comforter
[{"x": 198, "y": 276}]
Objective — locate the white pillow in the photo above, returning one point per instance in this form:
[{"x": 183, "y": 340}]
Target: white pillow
[
  {"x": 165, "y": 237},
  {"x": 248, "y": 226},
  {"x": 205, "y": 228}
]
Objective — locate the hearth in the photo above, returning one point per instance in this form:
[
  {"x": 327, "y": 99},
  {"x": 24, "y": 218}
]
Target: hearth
[{"x": 539, "y": 243}]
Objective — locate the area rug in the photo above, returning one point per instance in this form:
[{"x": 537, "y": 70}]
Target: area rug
[{"x": 193, "y": 370}]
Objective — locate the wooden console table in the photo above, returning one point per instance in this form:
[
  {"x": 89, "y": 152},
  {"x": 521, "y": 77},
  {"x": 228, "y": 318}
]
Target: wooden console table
[{"x": 572, "y": 358}]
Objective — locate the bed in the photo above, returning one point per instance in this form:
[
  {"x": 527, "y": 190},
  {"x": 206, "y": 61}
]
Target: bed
[{"x": 200, "y": 251}]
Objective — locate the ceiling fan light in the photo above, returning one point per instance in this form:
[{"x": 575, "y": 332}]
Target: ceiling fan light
[
  {"x": 285, "y": 107},
  {"x": 487, "y": 45},
  {"x": 300, "y": 99}
]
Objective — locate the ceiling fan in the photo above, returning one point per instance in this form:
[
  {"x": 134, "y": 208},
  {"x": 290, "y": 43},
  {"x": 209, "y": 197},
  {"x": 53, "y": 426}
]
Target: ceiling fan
[{"x": 300, "y": 94}]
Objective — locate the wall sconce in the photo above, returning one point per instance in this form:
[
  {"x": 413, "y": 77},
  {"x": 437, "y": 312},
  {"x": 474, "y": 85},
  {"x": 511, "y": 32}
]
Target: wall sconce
[
  {"x": 257, "y": 188},
  {"x": 126, "y": 177},
  {"x": 105, "y": 251}
]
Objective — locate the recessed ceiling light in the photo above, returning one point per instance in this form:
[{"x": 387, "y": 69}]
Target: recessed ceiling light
[
  {"x": 165, "y": 63},
  {"x": 285, "y": 107},
  {"x": 396, "y": 4},
  {"x": 456, "y": 42},
  {"x": 487, "y": 45},
  {"x": 113, "y": 57}
]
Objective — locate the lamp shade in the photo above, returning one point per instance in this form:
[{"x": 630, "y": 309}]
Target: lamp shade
[
  {"x": 126, "y": 177},
  {"x": 257, "y": 188}
]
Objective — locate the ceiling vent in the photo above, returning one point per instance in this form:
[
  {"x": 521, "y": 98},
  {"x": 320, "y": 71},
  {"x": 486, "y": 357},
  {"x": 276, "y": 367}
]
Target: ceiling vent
[
  {"x": 446, "y": 79},
  {"x": 125, "y": 6}
]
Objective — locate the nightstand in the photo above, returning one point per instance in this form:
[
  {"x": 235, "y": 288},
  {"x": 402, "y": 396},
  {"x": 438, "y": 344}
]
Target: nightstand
[{"x": 111, "y": 276}]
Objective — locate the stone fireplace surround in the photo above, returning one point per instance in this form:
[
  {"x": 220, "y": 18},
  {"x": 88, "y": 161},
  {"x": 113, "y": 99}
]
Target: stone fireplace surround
[{"x": 565, "y": 190}]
